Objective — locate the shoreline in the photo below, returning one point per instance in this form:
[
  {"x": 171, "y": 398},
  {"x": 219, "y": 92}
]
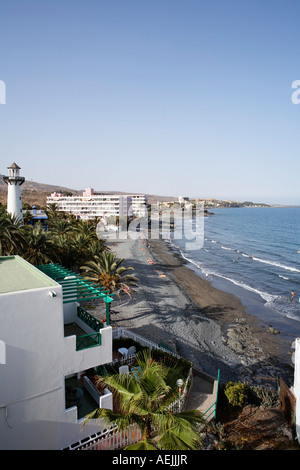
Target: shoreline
[
  {"x": 210, "y": 327},
  {"x": 222, "y": 307},
  {"x": 254, "y": 305}
]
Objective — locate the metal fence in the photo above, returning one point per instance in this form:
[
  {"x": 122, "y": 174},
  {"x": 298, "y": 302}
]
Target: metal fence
[
  {"x": 112, "y": 439},
  {"x": 123, "y": 333}
]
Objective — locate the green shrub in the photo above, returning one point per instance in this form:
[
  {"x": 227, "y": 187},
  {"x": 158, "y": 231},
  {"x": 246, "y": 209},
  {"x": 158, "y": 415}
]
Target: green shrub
[
  {"x": 263, "y": 397},
  {"x": 236, "y": 393}
]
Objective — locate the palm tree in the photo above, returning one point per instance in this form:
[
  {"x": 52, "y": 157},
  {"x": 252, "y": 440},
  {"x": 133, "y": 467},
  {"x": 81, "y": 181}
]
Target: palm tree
[
  {"x": 27, "y": 217},
  {"x": 81, "y": 243},
  {"x": 60, "y": 227},
  {"x": 38, "y": 246},
  {"x": 63, "y": 251},
  {"x": 54, "y": 214},
  {"x": 86, "y": 228},
  {"x": 107, "y": 271},
  {"x": 144, "y": 400},
  {"x": 95, "y": 248},
  {"x": 10, "y": 234}
]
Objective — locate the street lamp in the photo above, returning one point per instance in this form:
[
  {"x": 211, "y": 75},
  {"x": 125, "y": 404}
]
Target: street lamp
[{"x": 179, "y": 383}]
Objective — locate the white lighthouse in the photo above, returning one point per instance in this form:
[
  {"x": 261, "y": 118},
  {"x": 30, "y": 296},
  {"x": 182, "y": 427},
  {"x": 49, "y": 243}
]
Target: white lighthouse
[{"x": 14, "y": 198}]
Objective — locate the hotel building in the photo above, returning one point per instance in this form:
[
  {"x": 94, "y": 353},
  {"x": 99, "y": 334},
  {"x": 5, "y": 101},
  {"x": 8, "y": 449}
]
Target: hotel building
[{"x": 92, "y": 204}]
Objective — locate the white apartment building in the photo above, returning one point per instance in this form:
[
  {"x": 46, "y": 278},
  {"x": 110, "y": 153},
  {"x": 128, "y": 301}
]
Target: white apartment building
[
  {"x": 139, "y": 205},
  {"x": 92, "y": 204},
  {"x": 45, "y": 391}
]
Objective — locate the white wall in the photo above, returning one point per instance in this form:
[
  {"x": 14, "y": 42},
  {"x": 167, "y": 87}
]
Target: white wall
[
  {"x": 31, "y": 325},
  {"x": 38, "y": 357},
  {"x": 14, "y": 201}
]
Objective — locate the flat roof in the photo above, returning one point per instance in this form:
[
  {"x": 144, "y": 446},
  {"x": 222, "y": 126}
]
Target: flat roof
[{"x": 16, "y": 274}]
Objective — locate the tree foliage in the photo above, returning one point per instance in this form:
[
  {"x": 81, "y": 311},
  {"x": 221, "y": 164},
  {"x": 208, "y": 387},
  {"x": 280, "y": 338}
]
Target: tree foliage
[
  {"x": 68, "y": 241},
  {"x": 144, "y": 399},
  {"x": 236, "y": 393}
]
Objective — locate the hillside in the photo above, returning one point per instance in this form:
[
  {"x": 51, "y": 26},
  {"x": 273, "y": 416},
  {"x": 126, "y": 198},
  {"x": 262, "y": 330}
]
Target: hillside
[{"x": 34, "y": 193}]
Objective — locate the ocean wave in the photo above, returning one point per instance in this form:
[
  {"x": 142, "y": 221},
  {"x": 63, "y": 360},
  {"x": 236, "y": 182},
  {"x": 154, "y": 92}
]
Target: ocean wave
[
  {"x": 279, "y": 303},
  {"x": 286, "y": 309},
  {"x": 264, "y": 295},
  {"x": 261, "y": 260},
  {"x": 181, "y": 252},
  {"x": 278, "y": 265}
]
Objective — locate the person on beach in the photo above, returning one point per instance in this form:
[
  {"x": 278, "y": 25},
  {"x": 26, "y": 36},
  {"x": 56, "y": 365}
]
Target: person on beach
[{"x": 292, "y": 298}]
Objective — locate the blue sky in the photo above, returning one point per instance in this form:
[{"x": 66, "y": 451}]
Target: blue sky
[{"x": 166, "y": 97}]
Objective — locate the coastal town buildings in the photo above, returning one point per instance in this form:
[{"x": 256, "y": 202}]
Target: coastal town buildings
[
  {"x": 91, "y": 204},
  {"x": 44, "y": 391},
  {"x": 183, "y": 199},
  {"x": 14, "y": 198}
]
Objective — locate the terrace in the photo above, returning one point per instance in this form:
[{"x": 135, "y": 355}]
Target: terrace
[
  {"x": 82, "y": 391},
  {"x": 81, "y": 327},
  {"x": 199, "y": 391}
]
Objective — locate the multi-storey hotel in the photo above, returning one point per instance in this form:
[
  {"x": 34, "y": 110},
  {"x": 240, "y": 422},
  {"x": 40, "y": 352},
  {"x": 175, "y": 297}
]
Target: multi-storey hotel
[{"x": 92, "y": 204}]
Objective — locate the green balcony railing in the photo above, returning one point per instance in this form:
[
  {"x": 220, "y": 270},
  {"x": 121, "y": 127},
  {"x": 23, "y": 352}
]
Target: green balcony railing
[
  {"x": 91, "y": 321},
  {"x": 88, "y": 341}
]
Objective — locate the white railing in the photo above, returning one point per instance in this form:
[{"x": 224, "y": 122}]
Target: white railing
[
  {"x": 122, "y": 333},
  {"x": 113, "y": 439},
  {"x": 177, "y": 405}
]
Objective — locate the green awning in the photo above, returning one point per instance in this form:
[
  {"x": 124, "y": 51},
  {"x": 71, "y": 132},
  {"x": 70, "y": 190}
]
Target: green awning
[{"x": 75, "y": 287}]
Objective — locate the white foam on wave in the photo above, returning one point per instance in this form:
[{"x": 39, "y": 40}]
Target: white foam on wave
[
  {"x": 278, "y": 265},
  {"x": 283, "y": 307},
  {"x": 264, "y": 295},
  {"x": 277, "y": 302},
  {"x": 264, "y": 261}
]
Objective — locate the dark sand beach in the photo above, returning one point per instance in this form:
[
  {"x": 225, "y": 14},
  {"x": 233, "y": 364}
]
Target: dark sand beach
[{"x": 212, "y": 328}]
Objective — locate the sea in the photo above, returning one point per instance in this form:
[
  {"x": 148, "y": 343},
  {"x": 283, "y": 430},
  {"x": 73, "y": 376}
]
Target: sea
[{"x": 254, "y": 253}]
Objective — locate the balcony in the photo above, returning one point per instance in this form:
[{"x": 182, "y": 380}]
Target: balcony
[
  {"x": 87, "y": 341},
  {"x": 82, "y": 393},
  {"x": 84, "y": 340}
]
